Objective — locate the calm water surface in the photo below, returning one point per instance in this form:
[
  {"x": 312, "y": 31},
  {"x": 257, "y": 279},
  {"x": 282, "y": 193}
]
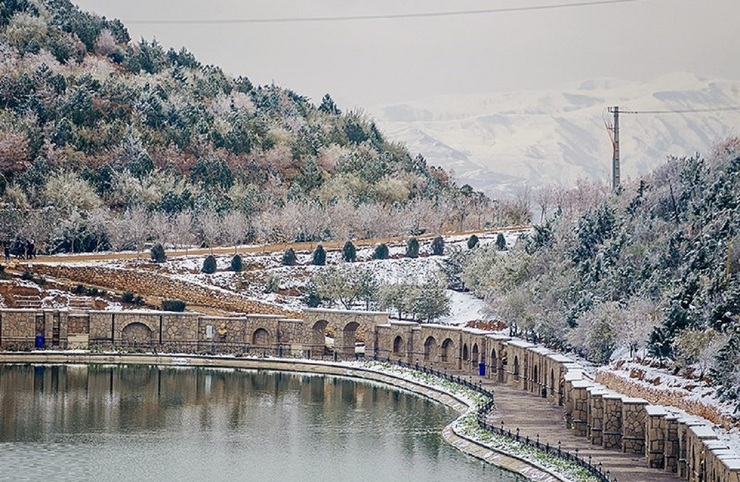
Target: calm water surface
[{"x": 132, "y": 423}]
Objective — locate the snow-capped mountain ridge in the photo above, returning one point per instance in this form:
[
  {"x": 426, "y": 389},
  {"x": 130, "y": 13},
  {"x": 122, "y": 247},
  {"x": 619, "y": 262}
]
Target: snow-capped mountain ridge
[{"x": 496, "y": 142}]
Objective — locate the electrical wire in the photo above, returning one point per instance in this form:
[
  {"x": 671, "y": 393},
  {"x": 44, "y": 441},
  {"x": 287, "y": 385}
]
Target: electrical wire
[
  {"x": 376, "y": 17},
  {"x": 681, "y": 111}
]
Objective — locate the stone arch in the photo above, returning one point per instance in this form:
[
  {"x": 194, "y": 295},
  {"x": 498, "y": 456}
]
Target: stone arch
[
  {"x": 349, "y": 340},
  {"x": 261, "y": 337},
  {"x": 398, "y": 346},
  {"x": 474, "y": 355},
  {"x": 465, "y": 354},
  {"x": 430, "y": 349},
  {"x": 447, "y": 347},
  {"x": 318, "y": 338},
  {"x": 516, "y": 368},
  {"x": 137, "y": 333}
]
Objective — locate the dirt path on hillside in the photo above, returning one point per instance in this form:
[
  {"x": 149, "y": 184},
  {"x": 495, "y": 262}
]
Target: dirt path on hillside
[{"x": 270, "y": 248}]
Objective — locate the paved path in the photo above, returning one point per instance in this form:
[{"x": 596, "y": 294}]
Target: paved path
[{"x": 536, "y": 416}]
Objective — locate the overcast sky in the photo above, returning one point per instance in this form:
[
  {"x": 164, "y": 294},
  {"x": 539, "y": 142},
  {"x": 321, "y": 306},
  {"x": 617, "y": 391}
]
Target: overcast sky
[{"x": 362, "y": 63}]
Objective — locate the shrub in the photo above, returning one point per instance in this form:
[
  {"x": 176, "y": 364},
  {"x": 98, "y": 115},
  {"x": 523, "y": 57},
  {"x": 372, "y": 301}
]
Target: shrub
[
  {"x": 349, "y": 252},
  {"x": 289, "y": 257},
  {"x": 412, "y": 247},
  {"x": 27, "y": 275},
  {"x": 79, "y": 289},
  {"x": 158, "y": 254},
  {"x": 173, "y": 305},
  {"x": 472, "y": 241},
  {"x": 236, "y": 263},
  {"x": 381, "y": 251},
  {"x": 438, "y": 246},
  {"x": 500, "y": 242},
  {"x": 272, "y": 284},
  {"x": 209, "y": 264},
  {"x": 319, "y": 256},
  {"x": 127, "y": 297},
  {"x": 92, "y": 291}
]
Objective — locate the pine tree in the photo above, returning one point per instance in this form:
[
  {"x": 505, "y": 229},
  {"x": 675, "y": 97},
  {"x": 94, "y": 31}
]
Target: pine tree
[
  {"x": 381, "y": 251},
  {"x": 472, "y": 241},
  {"x": 319, "y": 256},
  {"x": 158, "y": 254},
  {"x": 500, "y": 242},
  {"x": 412, "y": 247},
  {"x": 726, "y": 372},
  {"x": 349, "y": 252},
  {"x": 289, "y": 257},
  {"x": 209, "y": 264},
  {"x": 236, "y": 263},
  {"x": 438, "y": 246}
]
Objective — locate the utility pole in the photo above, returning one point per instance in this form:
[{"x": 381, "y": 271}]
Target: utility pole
[{"x": 615, "y": 142}]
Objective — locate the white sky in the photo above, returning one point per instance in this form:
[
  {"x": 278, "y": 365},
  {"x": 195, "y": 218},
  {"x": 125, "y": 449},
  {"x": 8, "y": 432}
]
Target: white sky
[{"x": 362, "y": 63}]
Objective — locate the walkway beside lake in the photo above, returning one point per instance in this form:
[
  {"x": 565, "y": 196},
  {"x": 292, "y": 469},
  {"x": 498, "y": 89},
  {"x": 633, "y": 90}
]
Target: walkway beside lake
[{"x": 535, "y": 416}]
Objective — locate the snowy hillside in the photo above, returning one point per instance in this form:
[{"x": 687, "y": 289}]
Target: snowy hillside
[{"x": 496, "y": 142}]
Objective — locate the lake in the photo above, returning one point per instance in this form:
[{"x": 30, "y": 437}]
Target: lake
[{"x": 133, "y": 423}]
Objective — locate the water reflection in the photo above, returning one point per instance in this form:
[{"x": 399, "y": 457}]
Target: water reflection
[{"x": 162, "y": 423}]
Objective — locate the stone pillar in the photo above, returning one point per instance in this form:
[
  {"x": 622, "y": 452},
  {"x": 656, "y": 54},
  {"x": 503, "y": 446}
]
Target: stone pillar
[
  {"x": 697, "y": 436},
  {"x": 670, "y": 443},
  {"x": 612, "y": 421},
  {"x": 596, "y": 415},
  {"x": 579, "y": 396},
  {"x": 655, "y": 428},
  {"x": 633, "y": 425}
]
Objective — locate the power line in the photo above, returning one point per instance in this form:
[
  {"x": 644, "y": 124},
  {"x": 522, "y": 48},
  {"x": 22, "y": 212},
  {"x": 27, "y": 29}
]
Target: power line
[
  {"x": 345, "y": 18},
  {"x": 681, "y": 111}
]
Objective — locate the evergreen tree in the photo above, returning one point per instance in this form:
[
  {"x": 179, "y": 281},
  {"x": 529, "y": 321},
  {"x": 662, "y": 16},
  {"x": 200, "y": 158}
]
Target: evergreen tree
[
  {"x": 438, "y": 246},
  {"x": 349, "y": 253},
  {"x": 472, "y": 241},
  {"x": 381, "y": 251},
  {"x": 319, "y": 256},
  {"x": 289, "y": 257},
  {"x": 412, "y": 247},
  {"x": 500, "y": 242},
  {"x": 209, "y": 264},
  {"x": 727, "y": 370},
  {"x": 236, "y": 263},
  {"x": 158, "y": 254}
]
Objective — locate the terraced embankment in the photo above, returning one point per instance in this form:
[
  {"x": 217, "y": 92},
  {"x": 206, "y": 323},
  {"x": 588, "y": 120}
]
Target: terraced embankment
[{"x": 153, "y": 284}]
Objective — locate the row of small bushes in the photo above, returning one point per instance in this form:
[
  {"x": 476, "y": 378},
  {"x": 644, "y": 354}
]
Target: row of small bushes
[{"x": 349, "y": 253}]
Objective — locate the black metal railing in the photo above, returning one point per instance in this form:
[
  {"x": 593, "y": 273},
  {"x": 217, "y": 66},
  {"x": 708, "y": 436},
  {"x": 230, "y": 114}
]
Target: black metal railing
[{"x": 483, "y": 412}]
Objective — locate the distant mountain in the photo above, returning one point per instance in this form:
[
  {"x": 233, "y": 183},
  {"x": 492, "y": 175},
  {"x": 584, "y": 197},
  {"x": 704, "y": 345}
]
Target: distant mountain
[{"x": 496, "y": 142}]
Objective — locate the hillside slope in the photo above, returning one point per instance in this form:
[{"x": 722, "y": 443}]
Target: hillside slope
[{"x": 496, "y": 142}]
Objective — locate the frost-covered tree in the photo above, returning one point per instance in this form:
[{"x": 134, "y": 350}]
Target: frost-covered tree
[{"x": 234, "y": 227}]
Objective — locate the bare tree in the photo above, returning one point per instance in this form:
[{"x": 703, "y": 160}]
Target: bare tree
[
  {"x": 235, "y": 226},
  {"x": 182, "y": 229},
  {"x": 210, "y": 227},
  {"x": 543, "y": 197},
  {"x": 161, "y": 227},
  {"x": 137, "y": 221}
]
